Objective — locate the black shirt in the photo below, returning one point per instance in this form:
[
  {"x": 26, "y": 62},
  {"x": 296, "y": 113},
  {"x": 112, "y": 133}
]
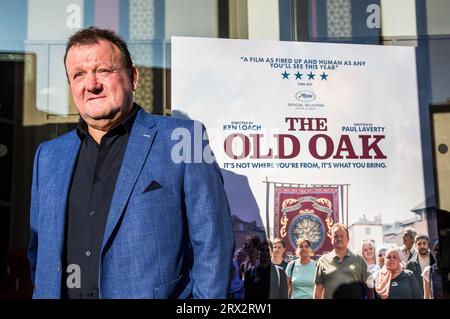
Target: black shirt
[
  {"x": 257, "y": 282},
  {"x": 404, "y": 286},
  {"x": 283, "y": 264},
  {"x": 90, "y": 195}
]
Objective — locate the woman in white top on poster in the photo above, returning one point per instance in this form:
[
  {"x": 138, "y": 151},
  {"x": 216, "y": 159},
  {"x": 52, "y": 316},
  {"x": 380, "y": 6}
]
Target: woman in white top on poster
[{"x": 368, "y": 252}]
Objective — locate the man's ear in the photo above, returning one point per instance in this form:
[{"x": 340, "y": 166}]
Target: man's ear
[{"x": 135, "y": 78}]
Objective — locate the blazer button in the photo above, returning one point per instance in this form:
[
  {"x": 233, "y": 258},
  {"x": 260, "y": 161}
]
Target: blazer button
[{"x": 88, "y": 253}]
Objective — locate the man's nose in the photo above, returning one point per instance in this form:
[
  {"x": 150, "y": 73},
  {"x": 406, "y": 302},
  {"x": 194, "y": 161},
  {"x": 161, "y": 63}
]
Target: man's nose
[{"x": 92, "y": 83}]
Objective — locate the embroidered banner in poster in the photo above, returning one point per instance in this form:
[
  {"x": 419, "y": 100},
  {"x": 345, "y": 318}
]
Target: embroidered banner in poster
[{"x": 306, "y": 212}]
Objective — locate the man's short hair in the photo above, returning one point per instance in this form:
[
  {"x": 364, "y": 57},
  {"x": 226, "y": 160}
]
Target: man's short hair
[
  {"x": 341, "y": 227},
  {"x": 92, "y": 35},
  {"x": 422, "y": 237},
  {"x": 411, "y": 232},
  {"x": 278, "y": 240},
  {"x": 381, "y": 250}
]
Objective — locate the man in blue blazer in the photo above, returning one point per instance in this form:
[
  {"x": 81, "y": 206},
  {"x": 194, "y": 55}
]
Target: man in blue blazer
[{"x": 122, "y": 207}]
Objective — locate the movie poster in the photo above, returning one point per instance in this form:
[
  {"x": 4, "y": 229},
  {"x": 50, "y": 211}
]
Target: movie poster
[{"x": 308, "y": 135}]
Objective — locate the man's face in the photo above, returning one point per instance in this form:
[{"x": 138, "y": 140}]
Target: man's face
[
  {"x": 380, "y": 258},
  {"x": 101, "y": 85},
  {"x": 422, "y": 247},
  {"x": 278, "y": 250},
  {"x": 407, "y": 240},
  {"x": 339, "y": 238}
]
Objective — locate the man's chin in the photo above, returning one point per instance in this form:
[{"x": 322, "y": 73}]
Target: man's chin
[
  {"x": 101, "y": 121},
  {"x": 100, "y": 118},
  {"x": 103, "y": 116}
]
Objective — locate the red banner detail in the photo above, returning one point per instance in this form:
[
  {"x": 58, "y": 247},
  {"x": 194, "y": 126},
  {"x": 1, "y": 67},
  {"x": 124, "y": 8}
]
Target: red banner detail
[{"x": 307, "y": 212}]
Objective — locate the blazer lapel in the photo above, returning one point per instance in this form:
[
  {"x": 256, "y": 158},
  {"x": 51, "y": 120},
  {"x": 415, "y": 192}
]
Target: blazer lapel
[
  {"x": 139, "y": 144},
  {"x": 58, "y": 197}
]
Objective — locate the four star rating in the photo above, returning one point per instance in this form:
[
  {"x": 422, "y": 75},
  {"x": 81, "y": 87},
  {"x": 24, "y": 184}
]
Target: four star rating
[{"x": 310, "y": 75}]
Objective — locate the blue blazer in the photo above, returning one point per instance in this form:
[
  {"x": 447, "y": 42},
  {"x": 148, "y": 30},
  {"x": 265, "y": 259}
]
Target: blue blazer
[{"x": 172, "y": 242}]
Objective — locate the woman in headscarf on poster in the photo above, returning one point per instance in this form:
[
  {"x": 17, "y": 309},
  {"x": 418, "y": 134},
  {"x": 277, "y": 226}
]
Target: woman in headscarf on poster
[{"x": 395, "y": 282}]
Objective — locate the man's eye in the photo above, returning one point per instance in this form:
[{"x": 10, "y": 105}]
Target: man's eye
[
  {"x": 76, "y": 75},
  {"x": 104, "y": 71}
]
